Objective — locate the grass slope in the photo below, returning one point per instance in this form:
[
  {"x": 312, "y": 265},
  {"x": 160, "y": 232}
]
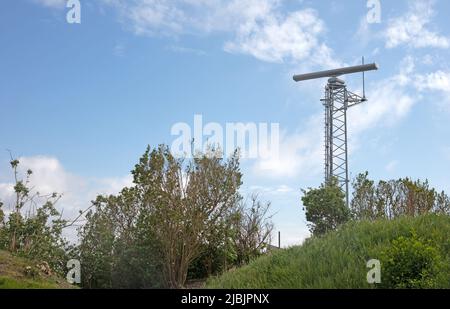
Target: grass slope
[
  {"x": 337, "y": 260},
  {"x": 13, "y": 275}
]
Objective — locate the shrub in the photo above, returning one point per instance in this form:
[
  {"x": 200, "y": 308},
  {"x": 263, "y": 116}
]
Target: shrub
[
  {"x": 410, "y": 262},
  {"x": 325, "y": 208},
  {"x": 33, "y": 228}
]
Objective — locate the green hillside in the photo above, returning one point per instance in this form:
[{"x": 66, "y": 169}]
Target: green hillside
[
  {"x": 338, "y": 260},
  {"x": 20, "y": 273}
]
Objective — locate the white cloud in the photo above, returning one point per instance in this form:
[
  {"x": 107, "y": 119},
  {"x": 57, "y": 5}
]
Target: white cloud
[
  {"x": 391, "y": 166},
  {"x": 437, "y": 81},
  {"x": 119, "y": 50},
  {"x": 276, "y": 190},
  {"x": 111, "y": 185},
  {"x": 299, "y": 152},
  {"x": 54, "y": 4},
  {"x": 7, "y": 195},
  {"x": 48, "y": 177},
  {"x": 186, "y": 50},
  {"x": 284, "y": 189},
  {"x": 412, "y": 28},
  {"x": 428, "y": 59},
  {"x": 172, "y": 17},
  {"x": 279, "y": 38},
  {"x": 150, "y": 17},
  {"x": 446, "y": 152},
  {"x": 48, "y": 174},
  {"x": 292, "y": 235},
  {"x": 391, "y": 99},
  {"x": 258, "y": 27},
  {"x": 388, "y": 103},
  {"x": 364, "y": 34}
]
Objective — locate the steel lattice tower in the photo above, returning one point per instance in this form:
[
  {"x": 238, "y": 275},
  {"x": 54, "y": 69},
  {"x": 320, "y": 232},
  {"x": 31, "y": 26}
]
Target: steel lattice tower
[{"x": 336, "y": 103}]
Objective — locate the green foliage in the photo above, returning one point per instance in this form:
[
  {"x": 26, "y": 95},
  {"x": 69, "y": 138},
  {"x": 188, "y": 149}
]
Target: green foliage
[
  {"x": 181, "y": 216},
  {"x": 364, "y": 203},
  {"x": 34, "y": 227},
  {"x": 338, "y": 259},
  {"x": 394, "y": 198},
  {"x": 2, "y": 226},
  {"x": 410, "y": 262},
  {"x": 325, "y": 208},
  {"x": 247, "y": 229},
  {"x": 117, "y": 249},
  {"x": 95, "y": 250}
]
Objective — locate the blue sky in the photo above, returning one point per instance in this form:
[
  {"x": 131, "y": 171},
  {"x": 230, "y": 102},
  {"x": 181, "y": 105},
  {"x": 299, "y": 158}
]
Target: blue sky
[{"x": 80, "y": 102}]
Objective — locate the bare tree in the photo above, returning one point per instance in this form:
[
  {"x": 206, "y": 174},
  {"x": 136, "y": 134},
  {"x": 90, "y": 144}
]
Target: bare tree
[{"x": 254, "y": 230}]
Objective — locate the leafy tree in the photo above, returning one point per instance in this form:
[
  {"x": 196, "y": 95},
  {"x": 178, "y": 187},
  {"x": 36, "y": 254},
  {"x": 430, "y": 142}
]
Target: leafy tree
[
  {"x": 389, "y": 195},
  {"x": 186, "y": 202},
  {"x": 180, "y": 216},
  {"x": 96, "y": 248},
  {"x": 364, "y": 202},
  {"x": 117, "y": 248},
  {"x": 420, "y": 198},
  {"x": 2, "y": 226},
  {"x": 325, "y": 208},
  {"x": 442, "y": 205},
  {"x": 33, "y": 228},
  {"x": 394, "y": 198}
]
